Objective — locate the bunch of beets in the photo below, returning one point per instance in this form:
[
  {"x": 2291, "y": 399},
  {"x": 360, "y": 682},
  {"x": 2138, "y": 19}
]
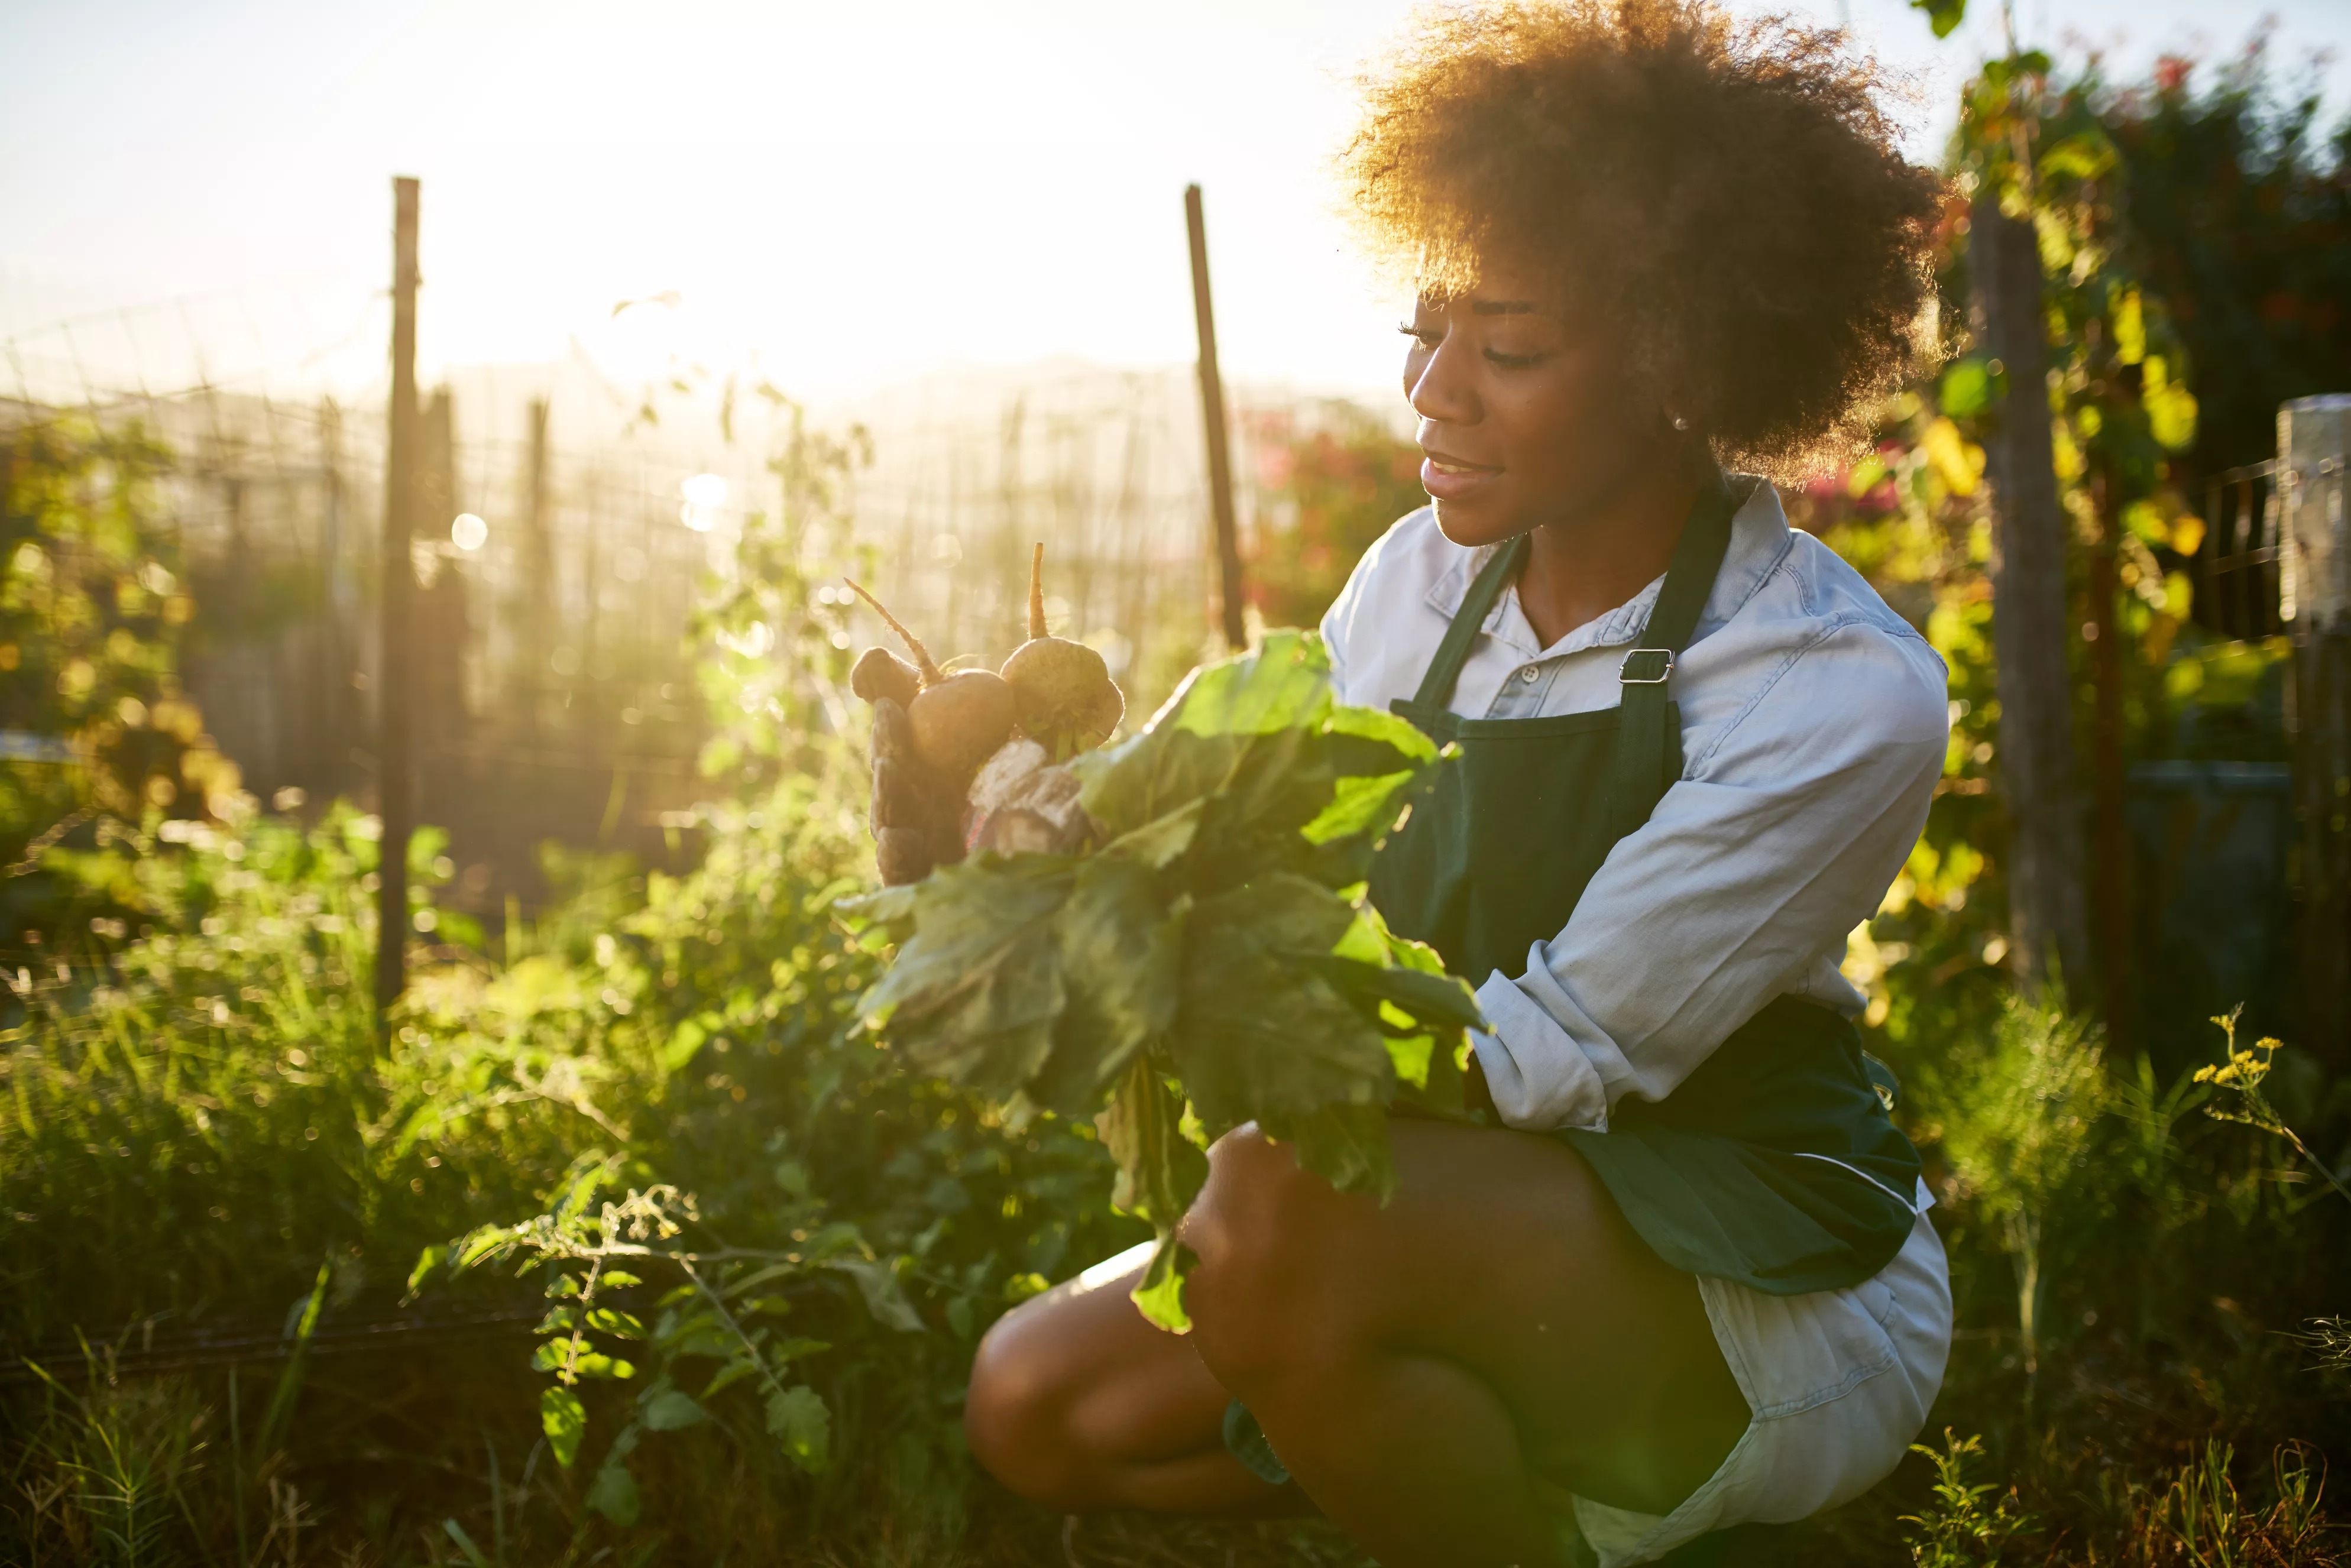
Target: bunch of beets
[
  {"x": 934, "y": 733},
  {"x": 1177, "y": 941}
]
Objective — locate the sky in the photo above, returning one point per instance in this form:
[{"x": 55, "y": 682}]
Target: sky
[{"x": 838, "y": 196}]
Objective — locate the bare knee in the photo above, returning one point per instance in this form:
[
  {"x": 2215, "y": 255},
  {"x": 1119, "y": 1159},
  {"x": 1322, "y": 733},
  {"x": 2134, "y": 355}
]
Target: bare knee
[
  {"x": 1015, "y": 1415},
  {"x": 1269, "y": 1237}
]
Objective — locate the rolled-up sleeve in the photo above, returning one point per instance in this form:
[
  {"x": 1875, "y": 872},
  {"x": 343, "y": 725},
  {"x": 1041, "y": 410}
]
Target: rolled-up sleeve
[{"x": 1782, "y": 834}]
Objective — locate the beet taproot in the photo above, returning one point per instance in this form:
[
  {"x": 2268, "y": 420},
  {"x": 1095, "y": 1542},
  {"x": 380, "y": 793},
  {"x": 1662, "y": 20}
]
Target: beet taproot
[
  {"x": 1063, "y": 694},
  {"x": 957, "y": 720},
  {"x": 960, "y": 722},
  {"x": 902, "y": 854},
  {"x": 881, "y": 674}
]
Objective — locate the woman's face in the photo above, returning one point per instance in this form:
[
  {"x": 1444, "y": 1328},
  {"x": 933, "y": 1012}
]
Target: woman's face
[{"x": 1527, "y": 415}]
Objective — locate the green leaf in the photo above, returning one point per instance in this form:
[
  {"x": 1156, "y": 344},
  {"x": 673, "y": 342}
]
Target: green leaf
[
  {"x": 672, "y": 1409},
  {"x": 1160, "y": 1171},
  {"x": 1411, "y": 1055},
  {"x": 591, "y": 1365},
  {"x": 1394, "y": 731},
  {"x": 1966, "y": 389},
  {"x": 684, "y": 1042},
  {"x": 1347, "y": 1145},
  {"x": 1122, "y": 962},
  {"x": 881, "y": 917},
  {"x": 617, "y": 1280},
  {"x": 1427, "y": 999},
  {"x": 885, "y": 1298},
  {"x": 2085, "y": 155},
  {"x": 797, "y": 1419},
  {"x": 613, "y": 1493},
  {"x": 613, "y": 1320},
  {"x": 427, "y": 1261},
  {"x": 1283, "y": 684},
  {"x": 793, "y": 1349},
  {"x": 1159, "y": 1294},
  {"x": 1368, "y": 804},
  {"x": 733, "y": 1373},
  {"x": 1256, "y": 729},
  {"x": 1259, "y": 1031},
  {"x": 974, "y": 993},
  {"x": 489, "y": 1238},
  {"x": 1943, "y": 16},
  {"x": 1160, "y": 839},
  {"x": 564, "y": 1419}
]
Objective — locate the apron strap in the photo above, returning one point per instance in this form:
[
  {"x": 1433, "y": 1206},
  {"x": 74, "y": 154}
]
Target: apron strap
[
  {"x": 1639, "y": 780},
  {"x": 1444, "y": 668}
]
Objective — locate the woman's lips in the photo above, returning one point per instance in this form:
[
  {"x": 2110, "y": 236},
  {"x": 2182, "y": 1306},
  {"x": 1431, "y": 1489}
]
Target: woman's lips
[{"x": 1446, "y": 480}]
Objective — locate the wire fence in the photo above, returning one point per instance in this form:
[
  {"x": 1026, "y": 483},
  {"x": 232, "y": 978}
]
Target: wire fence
[
  {"x": 2238, "y": 567},
  {"x": 565, "y": 529}
]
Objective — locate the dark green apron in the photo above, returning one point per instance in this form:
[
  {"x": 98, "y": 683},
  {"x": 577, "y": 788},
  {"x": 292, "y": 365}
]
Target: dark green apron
[
  {"x": 1775, "y": 1162},
  {"x": 1731, "y": 1174}
]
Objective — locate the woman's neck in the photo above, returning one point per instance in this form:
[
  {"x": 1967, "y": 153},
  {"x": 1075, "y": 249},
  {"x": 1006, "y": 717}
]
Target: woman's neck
[{"x": 1581, "y": 566}]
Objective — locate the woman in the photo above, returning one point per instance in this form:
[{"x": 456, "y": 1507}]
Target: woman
[{"x": 1689, "y": 1282}]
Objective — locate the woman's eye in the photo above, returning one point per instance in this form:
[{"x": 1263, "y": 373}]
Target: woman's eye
[
  {"x": 1512, "y": 361},
  {"x": 1426, "y": 337}
]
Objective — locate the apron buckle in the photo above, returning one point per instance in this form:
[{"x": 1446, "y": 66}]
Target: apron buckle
[{"x": 1625, "y": 671}]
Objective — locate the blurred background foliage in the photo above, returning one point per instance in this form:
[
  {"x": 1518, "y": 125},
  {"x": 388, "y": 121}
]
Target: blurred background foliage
[{"x": 616, "y": 1242}]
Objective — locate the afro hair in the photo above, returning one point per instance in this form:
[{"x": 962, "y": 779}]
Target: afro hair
[{"x": 1727, "y": 193}]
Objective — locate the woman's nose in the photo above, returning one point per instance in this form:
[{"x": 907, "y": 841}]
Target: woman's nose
[{"x": 1442, "y": 391}]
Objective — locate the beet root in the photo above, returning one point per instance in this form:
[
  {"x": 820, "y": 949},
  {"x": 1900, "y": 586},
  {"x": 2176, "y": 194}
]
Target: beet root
[
  {"x": 960, "y": 721},
  {"x": 902, "y": 854},
  {"x": 894, "y": 733},
  {"x": 1064, "y": 695},
  {"x": 898, "y": 799},
  {"x": 881, "y": 673}
]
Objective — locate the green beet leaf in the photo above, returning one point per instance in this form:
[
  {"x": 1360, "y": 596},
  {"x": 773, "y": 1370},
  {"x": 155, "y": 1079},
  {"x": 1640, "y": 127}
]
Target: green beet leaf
[
  {"x": 1159, "y": 1170},
  {"x": 1212, "y": 962},
  {"x": 1261, "y": 1030}
]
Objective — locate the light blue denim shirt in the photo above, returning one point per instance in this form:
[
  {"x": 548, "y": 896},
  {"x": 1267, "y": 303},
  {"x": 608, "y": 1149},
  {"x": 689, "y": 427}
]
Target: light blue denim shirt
[{"x": 1813, "y": 723}]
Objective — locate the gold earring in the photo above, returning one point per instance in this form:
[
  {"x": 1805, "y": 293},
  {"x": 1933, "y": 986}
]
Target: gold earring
[{"x": 1681, "y": 422}]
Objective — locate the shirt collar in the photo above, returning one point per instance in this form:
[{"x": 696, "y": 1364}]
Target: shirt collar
[{"x": 1758, "y": 540}]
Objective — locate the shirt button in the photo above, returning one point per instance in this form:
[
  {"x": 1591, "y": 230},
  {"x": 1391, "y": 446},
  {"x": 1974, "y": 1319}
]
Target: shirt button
[{"x": 1527, "y": 673}]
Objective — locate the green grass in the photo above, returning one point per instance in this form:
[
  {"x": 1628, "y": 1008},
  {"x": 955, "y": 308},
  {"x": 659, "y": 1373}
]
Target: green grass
[{"x": 205, "y": 1134}]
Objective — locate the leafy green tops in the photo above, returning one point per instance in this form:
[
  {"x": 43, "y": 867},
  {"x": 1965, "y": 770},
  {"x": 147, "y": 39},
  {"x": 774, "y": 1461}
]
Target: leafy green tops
[{"x": 1213, "y": 962}]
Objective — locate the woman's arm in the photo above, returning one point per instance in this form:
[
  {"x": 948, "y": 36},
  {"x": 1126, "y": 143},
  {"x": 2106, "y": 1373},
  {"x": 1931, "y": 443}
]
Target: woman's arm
[{"x": 1779, "y": 838}]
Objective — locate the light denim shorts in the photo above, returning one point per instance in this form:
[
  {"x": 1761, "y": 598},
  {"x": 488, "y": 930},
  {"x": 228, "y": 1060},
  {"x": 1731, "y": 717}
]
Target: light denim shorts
[{"x": 1838, "y": 1381}]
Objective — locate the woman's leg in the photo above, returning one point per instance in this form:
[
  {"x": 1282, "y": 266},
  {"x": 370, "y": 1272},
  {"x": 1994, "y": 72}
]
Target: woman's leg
[
  {"x": 1426, "y": 1368},
  {"x": 1079, "y": 1404}
]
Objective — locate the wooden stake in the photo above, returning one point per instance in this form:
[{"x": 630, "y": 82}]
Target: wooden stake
[
  {"x": 395, "y": 782},
  {"x": 2047, "y": 928},
  {"x": 2110, "y": 904},
  {"x": 539, "y": 576},
  {"x": 1212, "y": 412}
]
